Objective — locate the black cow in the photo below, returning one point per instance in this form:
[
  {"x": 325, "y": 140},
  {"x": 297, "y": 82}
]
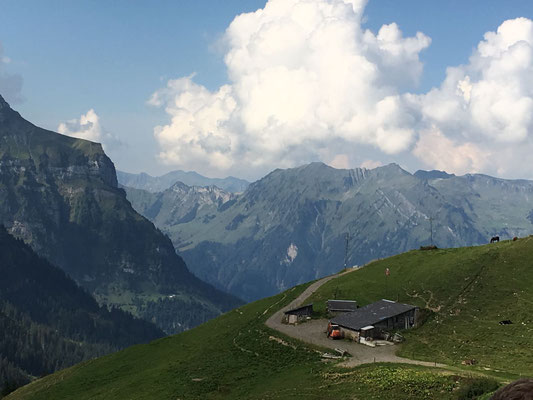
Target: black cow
[{"x": 495, "y": 239}]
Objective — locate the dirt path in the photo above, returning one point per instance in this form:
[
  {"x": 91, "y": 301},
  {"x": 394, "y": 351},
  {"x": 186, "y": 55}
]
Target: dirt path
[{"x": 313, "y": 332}]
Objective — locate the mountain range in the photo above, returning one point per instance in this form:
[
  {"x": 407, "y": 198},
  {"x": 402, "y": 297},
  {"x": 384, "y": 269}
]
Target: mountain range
[
  {"x": 191, "y": 178},
  {"x": 60, "y": 196},
  {"x": 291, "y": 226}
]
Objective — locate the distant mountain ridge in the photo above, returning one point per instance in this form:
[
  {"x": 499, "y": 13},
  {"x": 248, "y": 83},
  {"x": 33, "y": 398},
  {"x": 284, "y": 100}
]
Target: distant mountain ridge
[
  {"x": 179, "y": 203},
  {"x": 431, "y": 175},
  {"x": 290, "y": 226},
  {"x": 160, "y": 183},
  {"x": 61, "y": 196}
]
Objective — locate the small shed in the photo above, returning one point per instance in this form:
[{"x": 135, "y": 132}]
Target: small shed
[
  {"x": 341, "y": 306},
  {"x": 298, "y": 314},
  {"x": 371, "y": 321}
]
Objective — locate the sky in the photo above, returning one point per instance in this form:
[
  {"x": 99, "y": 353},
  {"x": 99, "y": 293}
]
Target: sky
[{"x": 243, "y": 87}]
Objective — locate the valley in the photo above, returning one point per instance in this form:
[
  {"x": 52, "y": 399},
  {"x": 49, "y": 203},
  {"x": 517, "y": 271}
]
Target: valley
[
  {"x": 266, "y": 200},
  {"x": 61, "y": 199}
]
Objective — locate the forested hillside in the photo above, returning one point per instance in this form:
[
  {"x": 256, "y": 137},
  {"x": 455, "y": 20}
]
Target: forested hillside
[{"x": 48, "y": 323}]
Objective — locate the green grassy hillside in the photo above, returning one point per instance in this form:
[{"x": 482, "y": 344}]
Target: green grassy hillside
[
  {"x": 237, "y": 357},
  {"x": 468, "y": 290}
]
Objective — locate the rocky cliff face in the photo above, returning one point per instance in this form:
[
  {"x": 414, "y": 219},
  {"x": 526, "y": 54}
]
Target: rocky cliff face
[{"x": 60, "y": 195}]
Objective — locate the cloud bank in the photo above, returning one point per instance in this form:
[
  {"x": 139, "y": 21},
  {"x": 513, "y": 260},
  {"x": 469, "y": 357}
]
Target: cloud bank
[{"x": 308, "y": 82}]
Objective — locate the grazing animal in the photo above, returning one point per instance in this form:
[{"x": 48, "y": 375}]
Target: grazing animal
[
  {"x": 515, "y": 239},
  {"x": 494, "y": 239}
]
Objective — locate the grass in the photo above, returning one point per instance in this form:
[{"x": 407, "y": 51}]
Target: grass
[
  {"x": 234, "y": 357},
  {"x": 217, "y": 360},
  {"x": 467, "y": 292},
  {"x": 406, "y": 382}
]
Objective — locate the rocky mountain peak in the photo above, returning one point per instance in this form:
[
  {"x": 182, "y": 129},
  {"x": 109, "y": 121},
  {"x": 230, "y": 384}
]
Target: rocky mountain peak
[
  {"x": 203, "y": 194},
  {"x": 434, "y": 174},
  {"x": 3, "y": 103},
  {"x": 5, "y": 110}
]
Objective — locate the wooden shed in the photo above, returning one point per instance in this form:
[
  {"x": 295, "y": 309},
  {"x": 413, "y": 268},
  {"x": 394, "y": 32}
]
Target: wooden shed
[
  {"x": 371, "y": 321},
  {"x": 298, "y": 314},
  {"x": 341, "y": 306}
]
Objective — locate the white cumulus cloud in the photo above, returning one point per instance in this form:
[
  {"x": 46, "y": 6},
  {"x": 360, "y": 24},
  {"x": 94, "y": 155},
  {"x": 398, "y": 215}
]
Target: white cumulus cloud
[
  {"x": 88, "y": 127},
  {"x": 306, "y": 82},
  {"x": 484, "y": 109},
  {"x": 440, "y": 152},
  {"x": 301, "y": 74}
]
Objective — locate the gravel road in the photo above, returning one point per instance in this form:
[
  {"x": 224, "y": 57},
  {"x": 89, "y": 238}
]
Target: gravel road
[{"x": 314, "y": 332}]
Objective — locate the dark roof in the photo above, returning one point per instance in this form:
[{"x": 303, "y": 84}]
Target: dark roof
[
  {"x": 299, "y": 308},
  {"x": 371, "y": 314},
  {"x": 342, "y": 305}
]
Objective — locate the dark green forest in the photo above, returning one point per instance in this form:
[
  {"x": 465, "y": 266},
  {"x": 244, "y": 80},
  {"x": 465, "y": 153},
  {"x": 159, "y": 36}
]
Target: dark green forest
[{"x": 47, "y": 322}]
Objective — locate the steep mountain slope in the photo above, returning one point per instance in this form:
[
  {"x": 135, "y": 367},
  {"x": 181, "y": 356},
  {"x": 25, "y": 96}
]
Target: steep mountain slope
[
  {"x": 190, "y": 178},
  {"x": 60, "y": 195},
  {"x": 290, "y": 226},
  {"x": 49, "y": 323},
  {"x": 499, "y": 206},
  {"x": 236, "y": 356}
]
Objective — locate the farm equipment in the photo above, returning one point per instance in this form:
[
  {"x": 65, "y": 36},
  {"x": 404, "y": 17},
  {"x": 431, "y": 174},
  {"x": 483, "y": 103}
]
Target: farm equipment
[{"x": 334, "y": 331}]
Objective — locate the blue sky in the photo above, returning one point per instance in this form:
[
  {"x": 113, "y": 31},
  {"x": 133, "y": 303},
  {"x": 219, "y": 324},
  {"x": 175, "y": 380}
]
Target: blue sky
[{"x": 111, "y": 57}]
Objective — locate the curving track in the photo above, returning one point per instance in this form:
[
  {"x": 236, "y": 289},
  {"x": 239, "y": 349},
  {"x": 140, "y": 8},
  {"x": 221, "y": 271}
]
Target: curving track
[{"x": 313, "y": 332}]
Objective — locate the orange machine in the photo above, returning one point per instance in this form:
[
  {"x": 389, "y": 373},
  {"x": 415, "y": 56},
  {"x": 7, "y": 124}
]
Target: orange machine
[{"x": 334, "y": 331}]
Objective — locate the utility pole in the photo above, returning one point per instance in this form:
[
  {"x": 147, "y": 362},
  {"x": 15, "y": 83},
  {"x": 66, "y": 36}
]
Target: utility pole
[
  {"x": 431, "y": 229},
  {"x": 347, "y": 237}
]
